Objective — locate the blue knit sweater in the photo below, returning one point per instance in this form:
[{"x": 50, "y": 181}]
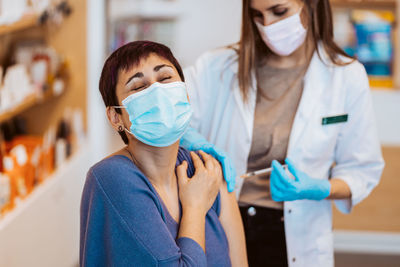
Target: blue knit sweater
[{"x": 125, "y": 223}]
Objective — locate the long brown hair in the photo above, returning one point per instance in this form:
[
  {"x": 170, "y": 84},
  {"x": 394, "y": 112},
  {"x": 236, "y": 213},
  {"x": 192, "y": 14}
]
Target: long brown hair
[{"x": 251, "y": 44}]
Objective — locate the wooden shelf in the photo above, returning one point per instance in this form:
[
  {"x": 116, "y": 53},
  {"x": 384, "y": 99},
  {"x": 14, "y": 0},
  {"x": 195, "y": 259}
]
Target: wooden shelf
[
  {"x": 365, "y": 4},
  {"x": 23, "y": 205},
  {"x": 27, "y": 21},
  {"x": 51, "y": 210},
  {"x": 28, "y": 102},
  {"x": 393, "y": 90}
]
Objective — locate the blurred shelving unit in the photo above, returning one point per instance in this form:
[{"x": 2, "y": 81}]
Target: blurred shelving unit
[
  {"x": 141, "y": 20},
  {"x": 143, "y": 9},
  {"x": 378, "y": 5},
  {"x": 374, "y": 225},
  {"x": 23, "y": 205},
  {"x": 43, "y": 227},
  {"x": 26, "y": 22},
  {"x": 365, "y": 4},
  {"x": 29, "y": 102}
]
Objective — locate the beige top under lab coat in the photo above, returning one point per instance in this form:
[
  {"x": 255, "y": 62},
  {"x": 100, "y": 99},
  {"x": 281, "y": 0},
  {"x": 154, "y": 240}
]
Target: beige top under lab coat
[{"x": 279, "y": 92}]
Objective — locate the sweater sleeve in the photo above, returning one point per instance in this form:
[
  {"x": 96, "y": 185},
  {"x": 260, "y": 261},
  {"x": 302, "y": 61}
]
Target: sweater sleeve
[
  {"x": 184, "y": 155},
  {"x": 122, "y": 225}
]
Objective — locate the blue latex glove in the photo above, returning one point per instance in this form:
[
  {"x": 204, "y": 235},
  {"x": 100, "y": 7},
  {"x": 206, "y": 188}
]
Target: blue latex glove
[
  {"x": 284, "y": 188},
  {"x": 194, "y": 141}
]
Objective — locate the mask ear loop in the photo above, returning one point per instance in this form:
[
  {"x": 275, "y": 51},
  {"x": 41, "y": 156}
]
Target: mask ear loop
[{"x": 120, "y": 127}]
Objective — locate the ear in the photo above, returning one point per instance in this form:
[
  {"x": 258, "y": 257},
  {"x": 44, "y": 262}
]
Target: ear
[{"x": 114, "y": 118}]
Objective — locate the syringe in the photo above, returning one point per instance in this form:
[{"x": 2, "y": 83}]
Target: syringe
[{"x": 259, "y": 172}]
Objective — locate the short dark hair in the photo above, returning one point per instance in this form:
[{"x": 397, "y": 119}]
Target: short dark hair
[{"x": 123, "y": 59}]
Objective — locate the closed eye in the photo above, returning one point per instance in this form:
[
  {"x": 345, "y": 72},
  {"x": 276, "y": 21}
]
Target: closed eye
[
  {"x": 138, "y": 88},
  {"x": 165, "y": 78},
  {"x": 280, "y": 12}
]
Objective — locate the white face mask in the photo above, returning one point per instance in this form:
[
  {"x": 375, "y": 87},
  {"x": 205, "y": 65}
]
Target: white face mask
[{"x": 285, "y": 36}]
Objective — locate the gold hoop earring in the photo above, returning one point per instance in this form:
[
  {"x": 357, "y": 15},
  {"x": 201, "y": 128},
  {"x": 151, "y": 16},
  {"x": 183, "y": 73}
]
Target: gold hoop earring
[{"x": 120, "y": 129}]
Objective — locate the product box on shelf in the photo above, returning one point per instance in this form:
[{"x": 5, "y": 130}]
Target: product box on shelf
[
  {"x": 26, "y": 160},
  {"x": 5, "y": 193},
  {"x": 367, "y": 35}
]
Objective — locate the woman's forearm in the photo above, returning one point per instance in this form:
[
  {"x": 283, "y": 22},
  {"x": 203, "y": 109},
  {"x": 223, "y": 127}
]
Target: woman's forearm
[
  {"x": 232, "y": 223},
  {"x": 192, "y": 226},
  {"x": 339, "y": 189}
]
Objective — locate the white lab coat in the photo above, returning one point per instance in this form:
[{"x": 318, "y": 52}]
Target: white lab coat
[{"x": 221, "y": 115}]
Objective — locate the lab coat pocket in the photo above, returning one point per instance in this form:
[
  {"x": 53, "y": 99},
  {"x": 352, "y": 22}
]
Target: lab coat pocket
[
  {"x": 329, "y": 130},
  {"x": 321, "y": 139}
]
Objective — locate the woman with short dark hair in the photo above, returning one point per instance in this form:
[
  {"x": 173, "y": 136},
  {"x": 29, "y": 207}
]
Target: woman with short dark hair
[{"x": 139, "y": 208}]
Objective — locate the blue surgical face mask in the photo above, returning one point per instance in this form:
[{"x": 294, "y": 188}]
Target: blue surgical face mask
[{"x": 160, "y": 114}]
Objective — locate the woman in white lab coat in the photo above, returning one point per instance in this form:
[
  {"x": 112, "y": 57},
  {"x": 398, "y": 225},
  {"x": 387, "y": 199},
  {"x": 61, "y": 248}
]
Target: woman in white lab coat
[{"x": 287, "y": 91}]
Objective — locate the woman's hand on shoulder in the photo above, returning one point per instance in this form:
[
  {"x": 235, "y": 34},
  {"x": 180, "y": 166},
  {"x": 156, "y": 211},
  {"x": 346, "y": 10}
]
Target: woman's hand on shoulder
[{"x": 200, "y": 191}]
